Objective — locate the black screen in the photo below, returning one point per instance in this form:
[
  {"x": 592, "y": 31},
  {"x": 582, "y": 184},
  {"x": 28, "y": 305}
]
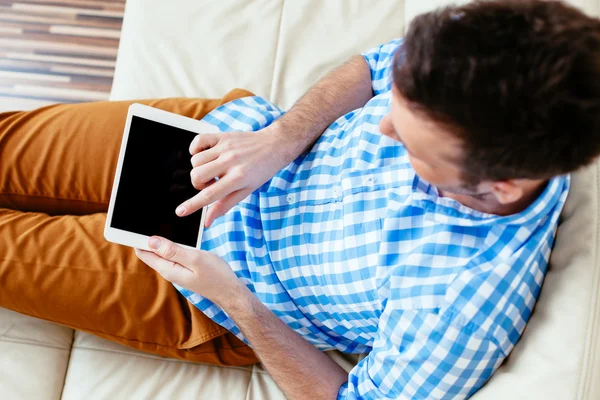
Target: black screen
[{"x": 155, "y": 179}]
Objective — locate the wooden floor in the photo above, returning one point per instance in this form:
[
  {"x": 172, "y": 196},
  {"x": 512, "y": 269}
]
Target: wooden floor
[{"x": 57, "y": 51}]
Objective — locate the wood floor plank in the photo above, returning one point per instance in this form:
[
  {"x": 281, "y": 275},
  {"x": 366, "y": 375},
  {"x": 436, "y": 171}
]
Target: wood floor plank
[
  {"x": 11, "y": 30},
  {"x": 59, "y": 39},
  {"x": 7, "y": 8},
  {"x": 88, "y": 61},
  {"x": 107, "y": 73},
  {"x": 4, "y": 92},
  {"x": 30, "y": 76},
  {"x": 43, "y": 89},
  {"x": 106, "y": 5},
  {"x": 65, "y": 93},
  {"x": 25, "y": 26},
  {"x": 40, "y": 9},
  {"x": 58, "y": 48},
  {"x": 26, "y": 66},
  {"x": 20, "y": 103},
  {"x": 52, "y": 59},
  {"x": 85, "y": 31},
  {"x": 9, "y": 64},
  {"x": 12, "y": 15},
  {"x": 57, "y": 51}
]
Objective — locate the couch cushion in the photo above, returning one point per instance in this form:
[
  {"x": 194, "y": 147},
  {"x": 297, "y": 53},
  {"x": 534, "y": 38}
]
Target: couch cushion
[
  {"x": 34, "y": 355},
  {"x": 316, "y": 36},
  {"x": 100, "y": 369},
  {"x": 274, "y": 48},
  {"x": 196, "y": 48},
  {"x": 105, "y": 370},
  {"x": 278, "y": 53}
]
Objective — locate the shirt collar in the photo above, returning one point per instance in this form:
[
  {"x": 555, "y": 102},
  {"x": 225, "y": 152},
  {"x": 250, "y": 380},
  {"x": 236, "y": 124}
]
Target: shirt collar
[{"x": 449, "y": 211}]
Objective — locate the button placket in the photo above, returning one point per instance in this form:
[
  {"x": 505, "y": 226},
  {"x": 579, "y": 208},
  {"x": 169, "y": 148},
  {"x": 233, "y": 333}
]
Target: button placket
[
  {"x": 370, "y": 180},
  {"x": 337, "y": 192}
]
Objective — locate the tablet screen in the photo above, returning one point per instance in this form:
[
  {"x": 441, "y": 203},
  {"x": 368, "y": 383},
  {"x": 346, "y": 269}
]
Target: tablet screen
[{"x": 155, "y": 179}]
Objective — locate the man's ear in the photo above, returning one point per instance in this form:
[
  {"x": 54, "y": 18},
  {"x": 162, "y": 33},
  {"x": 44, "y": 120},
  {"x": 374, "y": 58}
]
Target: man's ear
[{"x": 507, "y": 192}]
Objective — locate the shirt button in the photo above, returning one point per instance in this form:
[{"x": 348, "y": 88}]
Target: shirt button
[
  {"x": 370, "y": 180},
  {"x": 336, "y": 191},
  {"x": 290, "y": 198}
]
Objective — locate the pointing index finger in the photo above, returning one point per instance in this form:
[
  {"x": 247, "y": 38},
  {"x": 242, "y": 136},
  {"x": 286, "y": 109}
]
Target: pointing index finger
[{"x": 212, "y": 193}]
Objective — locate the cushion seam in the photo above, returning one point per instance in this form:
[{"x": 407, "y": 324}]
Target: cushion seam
[
  {"x": 34, "y": 343},
  {"x": 161, "y": 359},
  {"x": 249, "y": 384},
  {"x": 64, "y": 381},
  {"x": 277, "y": 48},
  {"x": 8, "y": 194},
  {"x": 100, "y": 333},
  {"x": 587, "y": 364}
]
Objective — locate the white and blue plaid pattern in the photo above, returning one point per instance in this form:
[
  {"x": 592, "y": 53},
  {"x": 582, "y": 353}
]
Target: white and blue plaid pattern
[{"x": 355, "y": 252}]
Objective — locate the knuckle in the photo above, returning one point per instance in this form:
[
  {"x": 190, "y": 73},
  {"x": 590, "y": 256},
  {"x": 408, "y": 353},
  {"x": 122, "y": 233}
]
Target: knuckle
[
  {"x": 238, "y": 175},
  {"x": 196, "y": 259},
  {"x": 170, "y": 251},
  {"x": 228, "y": 145},
  {"x": 209, "y": 195},
  {"x": 195, "y": 147},
  {"x": 198, "y": 186},
  {"x": 227, "y": 158},
  {"x": 195, "y": 178}
]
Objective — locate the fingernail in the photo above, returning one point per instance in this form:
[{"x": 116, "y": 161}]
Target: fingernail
[
  {"x": 180, "y": 210},
  {"x": 154, "y": 243},
  {"x": 195, "y": 141}
]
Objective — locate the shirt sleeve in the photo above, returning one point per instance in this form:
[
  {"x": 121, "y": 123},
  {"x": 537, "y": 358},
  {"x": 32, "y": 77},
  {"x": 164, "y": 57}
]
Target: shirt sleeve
[
  {"x": 422, "y": 355},
  {"x": 380, "y": 62}
]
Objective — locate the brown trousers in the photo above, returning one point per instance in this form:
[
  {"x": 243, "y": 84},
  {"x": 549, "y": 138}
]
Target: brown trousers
[{"x": 57, "y": 166}]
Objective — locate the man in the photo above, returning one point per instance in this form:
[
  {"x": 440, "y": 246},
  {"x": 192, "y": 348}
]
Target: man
[{"x": 425, "y": 247}]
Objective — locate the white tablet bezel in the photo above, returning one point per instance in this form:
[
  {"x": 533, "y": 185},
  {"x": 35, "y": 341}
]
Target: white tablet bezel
[{"x": 137, "y": 240}]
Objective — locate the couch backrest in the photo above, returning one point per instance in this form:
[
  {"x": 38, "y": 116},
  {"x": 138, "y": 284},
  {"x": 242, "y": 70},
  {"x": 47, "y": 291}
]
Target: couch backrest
[{"x": 278, "y": 49}]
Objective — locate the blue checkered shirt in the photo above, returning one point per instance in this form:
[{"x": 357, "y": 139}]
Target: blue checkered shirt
[{"x": 355, "y": 252}]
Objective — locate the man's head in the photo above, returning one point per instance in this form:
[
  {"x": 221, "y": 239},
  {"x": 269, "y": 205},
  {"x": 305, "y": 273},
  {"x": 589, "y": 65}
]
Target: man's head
[{"x": 494, "y": 96}]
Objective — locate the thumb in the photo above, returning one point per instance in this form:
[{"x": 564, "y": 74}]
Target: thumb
[
  {"x": 220, "y": 208},
  {"x": 171, "y": 251}
]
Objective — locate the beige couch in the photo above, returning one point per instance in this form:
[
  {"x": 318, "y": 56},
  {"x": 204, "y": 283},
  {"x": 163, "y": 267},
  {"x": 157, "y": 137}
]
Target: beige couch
[{"x": 278, "y": 48}]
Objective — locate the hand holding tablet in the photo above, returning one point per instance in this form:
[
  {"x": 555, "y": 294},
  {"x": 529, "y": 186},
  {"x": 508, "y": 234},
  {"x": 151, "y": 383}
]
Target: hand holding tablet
[
  {"x": 153, "y": 179},
  {"x": 243, "y": 161}
]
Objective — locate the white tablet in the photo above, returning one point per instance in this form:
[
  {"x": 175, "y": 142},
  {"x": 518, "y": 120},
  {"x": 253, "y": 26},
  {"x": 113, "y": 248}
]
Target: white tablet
[{"x": 153, "y": 178}]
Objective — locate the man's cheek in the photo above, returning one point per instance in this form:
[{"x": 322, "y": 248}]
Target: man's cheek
[
  {"x": 419, "y": 169},
  {"x": 427, "y": 174}
]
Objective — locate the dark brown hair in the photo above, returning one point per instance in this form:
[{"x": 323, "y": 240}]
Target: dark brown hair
[{"x": 517, "y": 80}]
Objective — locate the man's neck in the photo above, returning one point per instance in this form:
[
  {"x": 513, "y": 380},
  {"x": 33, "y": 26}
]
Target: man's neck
[{"x": 490, "y": 205}]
